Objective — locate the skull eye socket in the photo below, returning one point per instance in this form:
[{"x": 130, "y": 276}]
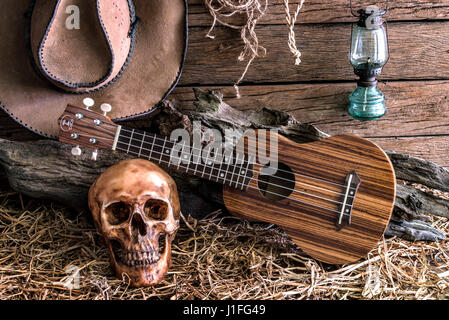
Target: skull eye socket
[
  {"x": 156, "y": 209},
  {"x": 117, "y": 212}
]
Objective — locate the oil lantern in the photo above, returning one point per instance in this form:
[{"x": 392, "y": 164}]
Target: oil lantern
[{"x": 368, "y": 54}]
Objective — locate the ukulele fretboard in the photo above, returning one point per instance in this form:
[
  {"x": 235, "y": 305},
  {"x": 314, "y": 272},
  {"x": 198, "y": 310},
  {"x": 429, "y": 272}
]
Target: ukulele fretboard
[{"x": 228, "y": 168}]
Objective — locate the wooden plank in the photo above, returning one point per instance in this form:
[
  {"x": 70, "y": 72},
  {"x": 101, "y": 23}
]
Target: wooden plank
[
  {"x": 415, "y": 112},
  {"x": 324, "y": 11},
  {"x": 415, "y": 108},
  {"x": 418, "y": 51},
  {"x": 434, "y": 149}
]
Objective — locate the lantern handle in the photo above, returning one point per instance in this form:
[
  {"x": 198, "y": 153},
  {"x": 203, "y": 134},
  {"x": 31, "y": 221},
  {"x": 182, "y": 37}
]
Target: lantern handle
[
  {"x": 388, "y": 41},
  {"x": 355, "y": 13}
]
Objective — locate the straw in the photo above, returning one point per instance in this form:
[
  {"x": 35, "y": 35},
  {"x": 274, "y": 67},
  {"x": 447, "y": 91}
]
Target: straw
[{"x": 218, "y": 257}]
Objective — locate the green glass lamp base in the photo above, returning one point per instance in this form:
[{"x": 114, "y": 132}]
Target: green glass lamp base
[{"x": 367, "y": 103}]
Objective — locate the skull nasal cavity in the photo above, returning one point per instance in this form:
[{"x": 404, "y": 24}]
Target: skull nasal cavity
[{"x": 138, "y": 226}]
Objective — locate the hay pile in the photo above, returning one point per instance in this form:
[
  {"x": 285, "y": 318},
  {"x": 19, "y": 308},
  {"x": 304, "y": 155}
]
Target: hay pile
[{"x": 215, "y": 258}]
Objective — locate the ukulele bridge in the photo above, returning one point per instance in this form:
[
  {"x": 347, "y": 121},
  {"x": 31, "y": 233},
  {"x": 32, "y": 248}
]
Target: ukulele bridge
[{"x": 350, "y": 191}]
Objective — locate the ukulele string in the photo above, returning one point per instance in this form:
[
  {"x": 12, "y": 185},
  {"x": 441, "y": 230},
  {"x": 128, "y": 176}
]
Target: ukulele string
[
  {"x": 230, "y": 180},
  {"x": 279, "y": 170},
  {"x": 272, "y": 193},
  {"x": 251, "y": 178},
  {"x": 240, "y": 176},
  {"x": 234, "y": 166}
]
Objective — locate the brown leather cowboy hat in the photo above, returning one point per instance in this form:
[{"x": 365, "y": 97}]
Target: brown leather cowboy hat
[{"x": 127, "y": 53}]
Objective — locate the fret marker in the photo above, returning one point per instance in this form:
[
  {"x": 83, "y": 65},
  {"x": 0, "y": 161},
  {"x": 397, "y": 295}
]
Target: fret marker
[
  {"x": 130, "y": 140},
  {"x": 247, "y": 168},
  {"x": 189, "y": 161},
  {"x": 222, "y": 175},
  {"x": 152, "y": 146},
  {"x": 141, "y": 145},
  {"x": 233, "y": 172},
  {"x": 204, "y": 167},
  {"x": 182, "y": 151},
  {"x": 162, "y": 151}
]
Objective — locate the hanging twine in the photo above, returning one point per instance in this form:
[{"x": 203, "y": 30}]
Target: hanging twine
[
  {"x": 291, "y": 27},
  {"x": 252, "y": 11}
]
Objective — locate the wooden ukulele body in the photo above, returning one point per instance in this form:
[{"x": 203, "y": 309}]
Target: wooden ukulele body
[{"x": 309, "y": 213}]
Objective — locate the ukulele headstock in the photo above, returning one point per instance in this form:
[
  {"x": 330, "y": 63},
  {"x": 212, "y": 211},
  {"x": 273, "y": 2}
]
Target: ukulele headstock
[{"x": 83, "y": 127}]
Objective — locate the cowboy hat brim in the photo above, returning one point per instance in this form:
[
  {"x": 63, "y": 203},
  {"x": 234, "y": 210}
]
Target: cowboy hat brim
[{"x": 154, "y": 69}]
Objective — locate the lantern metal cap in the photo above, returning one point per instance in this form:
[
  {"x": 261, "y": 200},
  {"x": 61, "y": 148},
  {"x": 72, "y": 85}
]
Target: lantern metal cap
[{"x": 373, "y": 15}]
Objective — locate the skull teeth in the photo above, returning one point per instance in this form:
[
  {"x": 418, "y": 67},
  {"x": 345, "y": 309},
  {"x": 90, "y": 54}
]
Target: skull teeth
[
  {"x": 137, "y": 259},
  {"x": 143, "y": 254}
]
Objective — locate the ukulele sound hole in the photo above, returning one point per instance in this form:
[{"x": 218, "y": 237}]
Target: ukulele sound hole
[{"x": 279, "y": 185}]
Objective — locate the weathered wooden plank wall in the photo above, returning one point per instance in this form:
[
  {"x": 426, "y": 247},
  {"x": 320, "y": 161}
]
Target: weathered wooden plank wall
[{"x": 416, "y": 79}]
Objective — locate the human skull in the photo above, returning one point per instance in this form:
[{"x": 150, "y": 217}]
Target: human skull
[{"x": 135, "y": 206}]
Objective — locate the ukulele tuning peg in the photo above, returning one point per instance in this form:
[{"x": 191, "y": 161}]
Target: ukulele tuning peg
[
  {"x": 94, "y": 155},
  {"x": 88, "y": 102},
  {"x": 106, "y": 107},
  {"x": 76, "y": 151}
]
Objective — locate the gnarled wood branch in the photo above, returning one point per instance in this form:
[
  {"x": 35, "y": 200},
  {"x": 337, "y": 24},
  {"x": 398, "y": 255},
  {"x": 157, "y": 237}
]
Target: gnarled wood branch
[{"x": 46, "y": 169}]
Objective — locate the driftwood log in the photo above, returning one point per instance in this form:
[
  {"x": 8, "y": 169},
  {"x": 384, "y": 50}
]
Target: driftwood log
[{"x": 46, "y": 169}]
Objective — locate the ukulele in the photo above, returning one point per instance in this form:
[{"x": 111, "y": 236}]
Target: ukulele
[{"x": 333, "y": 197}]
